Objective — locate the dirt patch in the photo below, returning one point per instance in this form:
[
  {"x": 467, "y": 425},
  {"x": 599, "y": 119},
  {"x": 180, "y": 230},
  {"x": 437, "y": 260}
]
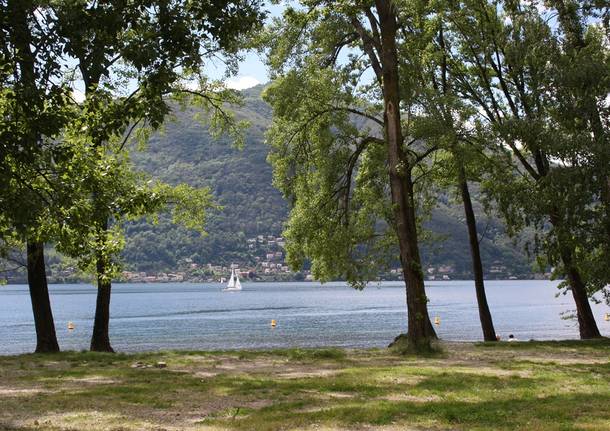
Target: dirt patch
[
  {"x": 401, "y": 380},
  {"x": 205, "y": 374},
  {"x": 230, "y": 364},
  {"x": 303, "y": 374},
  {"x": 564, "y": 360},
  {"x": 411, "y": 398},
  {"x": 92, "y": 380},
  {"x": 14, "y": 392}
]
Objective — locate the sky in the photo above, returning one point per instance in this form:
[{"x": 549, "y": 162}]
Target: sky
[{"x": 252, "y": 71}]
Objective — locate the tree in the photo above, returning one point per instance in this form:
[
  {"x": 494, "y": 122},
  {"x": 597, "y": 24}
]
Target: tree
[
  {"x": 34, "y": 108},
  {"x": 347, "y": 172},
  {"x": 501, "y": 57},
  {"x": 131, "y": 57},
  {"x": 581, "y": 112},
  {"x": 442, "y": 121}
]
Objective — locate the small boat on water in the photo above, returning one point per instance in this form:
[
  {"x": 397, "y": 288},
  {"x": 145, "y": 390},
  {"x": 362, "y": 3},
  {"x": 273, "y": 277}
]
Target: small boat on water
[{"x": 234, "y": 283}]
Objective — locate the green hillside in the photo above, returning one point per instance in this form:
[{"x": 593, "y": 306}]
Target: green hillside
[{"x": 241, "y": 181}]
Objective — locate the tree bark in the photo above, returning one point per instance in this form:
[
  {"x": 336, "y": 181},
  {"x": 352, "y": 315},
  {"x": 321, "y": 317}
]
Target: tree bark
[
  {"x": 46, "y": 338},
  {"x": 570, "y": 22},
  {"x": 586, "y": 321},
  {"x": 100, "y": 338},
  {"x": 18, "y": 12},
  {"x": 419, "y": 328},
  {"x": 489, "y": 332}
]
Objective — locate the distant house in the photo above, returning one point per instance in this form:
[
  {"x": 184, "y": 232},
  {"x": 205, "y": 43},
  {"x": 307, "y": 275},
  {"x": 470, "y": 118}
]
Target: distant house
[
  {"x": 176, "y": 277},
  {"x": 497, "y": 269},
  {"x": 446, "y": 269}
]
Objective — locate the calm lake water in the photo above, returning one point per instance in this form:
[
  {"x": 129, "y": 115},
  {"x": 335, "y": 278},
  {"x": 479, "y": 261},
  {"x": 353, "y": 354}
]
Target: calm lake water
[{"x": 201, "y": 316}]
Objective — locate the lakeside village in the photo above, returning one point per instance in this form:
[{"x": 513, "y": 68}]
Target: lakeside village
[{"x": 266, "y": 257}]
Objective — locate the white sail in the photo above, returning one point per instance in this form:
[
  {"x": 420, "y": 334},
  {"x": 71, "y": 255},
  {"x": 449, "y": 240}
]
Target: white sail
[
  {"x": 231, "y": 284},
  {"x": 234, "y": 283}
]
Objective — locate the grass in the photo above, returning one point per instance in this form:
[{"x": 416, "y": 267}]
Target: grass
[{"x": 503, "y": 386}]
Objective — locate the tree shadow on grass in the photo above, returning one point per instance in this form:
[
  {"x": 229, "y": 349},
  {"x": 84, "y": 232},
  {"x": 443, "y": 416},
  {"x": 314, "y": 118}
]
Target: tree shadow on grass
[{"x": 563, "y": 412}]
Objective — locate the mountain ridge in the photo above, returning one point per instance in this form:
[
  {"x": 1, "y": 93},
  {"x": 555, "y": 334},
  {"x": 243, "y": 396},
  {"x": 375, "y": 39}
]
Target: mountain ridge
[{"x": 241, "y": 183}]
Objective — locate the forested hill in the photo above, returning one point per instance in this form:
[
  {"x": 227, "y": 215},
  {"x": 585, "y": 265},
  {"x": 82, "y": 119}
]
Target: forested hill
[{"x": 241, "y": 181}]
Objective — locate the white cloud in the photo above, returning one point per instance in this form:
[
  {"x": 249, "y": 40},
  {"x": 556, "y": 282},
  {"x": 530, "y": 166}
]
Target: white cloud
[
  {"x": 242, "y": 82},
  {"x": 78, "y": 96}
]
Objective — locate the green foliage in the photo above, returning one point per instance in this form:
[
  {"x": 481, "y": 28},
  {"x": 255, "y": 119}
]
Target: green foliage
[
  {"x": 315, "y": 153},
  {"x": 66, "y": 173},
  {"x": 61, "y": 209},
  {"x": 248, "y": 204},
  {"x": 542, "y": 118},
  {"x": 239, "y": 180}
]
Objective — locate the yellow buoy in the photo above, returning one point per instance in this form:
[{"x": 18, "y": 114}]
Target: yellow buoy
[
  {"x": 607, "y": 317},
  {"x": 70, "y": 326},
  {"x": 437, "y": 320},
  {"x": 273, "y": 323}
]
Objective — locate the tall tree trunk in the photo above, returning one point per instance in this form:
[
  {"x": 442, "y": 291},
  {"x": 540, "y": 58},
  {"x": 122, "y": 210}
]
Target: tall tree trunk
[
  {"x": 100, "y": 338},
  {"x": 46, "y": 338},
  {"x": 489, "y": 333},
  {"x": 401, "y": 184},
  {"x": 605, "y": 196},
  {"x": 586, "y": 321}
]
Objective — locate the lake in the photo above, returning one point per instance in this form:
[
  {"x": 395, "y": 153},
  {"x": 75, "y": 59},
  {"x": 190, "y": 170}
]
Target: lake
[{"x": 201, "y": 316}]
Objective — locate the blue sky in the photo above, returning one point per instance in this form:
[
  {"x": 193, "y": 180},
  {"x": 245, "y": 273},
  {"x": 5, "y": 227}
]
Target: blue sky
[{"x": 252, "y": 71}]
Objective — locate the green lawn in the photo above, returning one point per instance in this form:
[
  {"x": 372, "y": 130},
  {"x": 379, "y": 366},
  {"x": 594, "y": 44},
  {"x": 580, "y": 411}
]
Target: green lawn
[{"x": 506, "y": 386}]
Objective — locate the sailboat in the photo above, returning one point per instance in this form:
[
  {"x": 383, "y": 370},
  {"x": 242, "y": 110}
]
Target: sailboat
[{"x": 234, "y": 283}]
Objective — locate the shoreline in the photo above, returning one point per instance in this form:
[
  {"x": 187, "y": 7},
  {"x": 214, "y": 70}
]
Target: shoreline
[{"x": 372, "y": 283}]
